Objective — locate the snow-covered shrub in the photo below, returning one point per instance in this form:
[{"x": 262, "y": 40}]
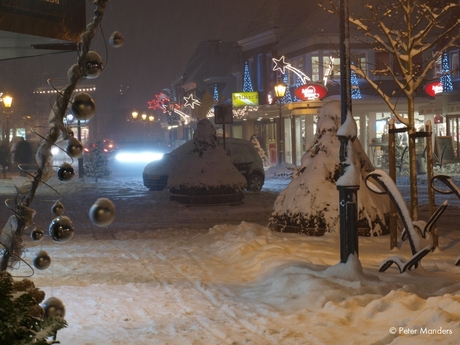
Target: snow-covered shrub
[
  {"x": 207, "y": 169},
  {"x": 97, "y": 164},
  {"x": 310, "y": 203},
  {"x": 21, "y": 316}
]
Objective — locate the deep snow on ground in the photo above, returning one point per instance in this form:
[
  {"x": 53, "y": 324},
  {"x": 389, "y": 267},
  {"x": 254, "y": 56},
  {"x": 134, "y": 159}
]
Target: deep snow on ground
[{"x": 164, "y": 273}]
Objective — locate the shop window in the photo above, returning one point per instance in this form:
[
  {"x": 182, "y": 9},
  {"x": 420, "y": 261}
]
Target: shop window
[
  {"x": 315, "y": 68},
  {"x": 360, "y": 62},
  {"x": 454, "y": 65}
]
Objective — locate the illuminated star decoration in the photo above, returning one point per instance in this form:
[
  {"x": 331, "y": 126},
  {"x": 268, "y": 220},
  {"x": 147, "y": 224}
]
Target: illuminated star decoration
[
  {"x": 282, "y": 66},
  {"x": 184, "y": 116},
  {"x": 191, "y": 102},
  {"x": 160, "y": 102}
]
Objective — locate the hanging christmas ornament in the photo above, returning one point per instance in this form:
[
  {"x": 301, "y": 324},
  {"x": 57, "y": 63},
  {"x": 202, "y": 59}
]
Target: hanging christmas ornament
[
  {"x": 93, "y": 65},
  {"x": 83, "y": 107},
  {"x": 74, "y": 148},
  {"x": 42, "y": 261},
  {"x": 53, "y": 307},
  {"x": 116, "y": 39},
  {"x": 102, "y": 213},
  {"x": 57, "y": 209},
  {"x": 37, "y": 234},
  {"x": 61, "y": 229},
  {"x": 65, "y": 173}
]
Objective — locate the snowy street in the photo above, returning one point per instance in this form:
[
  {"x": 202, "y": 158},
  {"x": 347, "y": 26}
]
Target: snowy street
[{"x": 164, "y": 273}]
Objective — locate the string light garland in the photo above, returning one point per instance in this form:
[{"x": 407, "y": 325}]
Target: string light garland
[
  {"x": 247, "y": 83},
  {"x": 446, "y": 78}
]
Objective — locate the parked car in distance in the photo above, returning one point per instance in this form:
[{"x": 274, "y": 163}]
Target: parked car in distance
[
  {"x": 242, "y": 153},
  {"x": 108, "y": 146}
]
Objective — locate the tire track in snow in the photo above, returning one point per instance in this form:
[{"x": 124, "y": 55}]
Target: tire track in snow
[
  {"x": 201, "y": 319},
  {"x": 245, "y": 323}
]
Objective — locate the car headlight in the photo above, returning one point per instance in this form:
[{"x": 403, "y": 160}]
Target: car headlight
[{"x": 138, "y": 157}]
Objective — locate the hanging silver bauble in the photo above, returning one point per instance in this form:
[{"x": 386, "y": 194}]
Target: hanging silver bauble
[
  {"x": 74, "y": 148},
  {"x": 116, "y": 39},
  {"x": 93, "y": 65},
  {"x": 42, "y": 260},
  {"x": 65, "y": 173},
  {"x": 102, "y": 213},
  {"x": 37, "y": 234},
  {"x": 53, "y": 307},
  {"x": 83, "y": 107},
  {"x": 61, "y": 229},
  {"x": 57, "y": 209}
]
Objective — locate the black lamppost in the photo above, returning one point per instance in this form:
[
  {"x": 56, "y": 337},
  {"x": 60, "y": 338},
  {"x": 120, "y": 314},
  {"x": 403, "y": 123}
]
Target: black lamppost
[
  {"x": 348, "y": 195},
  {"x": 171, "y": 108},
  {"x": 280, "y": 91},
  {"x": 7, "y": 102}
]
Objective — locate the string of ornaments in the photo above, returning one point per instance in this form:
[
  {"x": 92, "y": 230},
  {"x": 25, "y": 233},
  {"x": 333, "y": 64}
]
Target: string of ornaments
[{"x": 61, "y": 228}]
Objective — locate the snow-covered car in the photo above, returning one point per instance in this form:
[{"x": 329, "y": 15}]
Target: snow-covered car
[{"x": 241, "y": 152}]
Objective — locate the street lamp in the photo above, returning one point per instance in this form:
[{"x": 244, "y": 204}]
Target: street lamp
[
  {"x": 280, "y": 91},
  {"x": 171, "y": 108},
  {"x": 7, "y": 101},
  {"x": 144, "y": 118}
]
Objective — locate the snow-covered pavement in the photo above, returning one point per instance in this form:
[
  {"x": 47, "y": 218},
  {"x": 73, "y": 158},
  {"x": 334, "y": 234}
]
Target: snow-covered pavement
[{"x": 164, "y": 273}]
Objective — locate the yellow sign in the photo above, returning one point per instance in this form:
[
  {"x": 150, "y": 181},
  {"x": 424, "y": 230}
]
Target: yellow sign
[{"x": 245, "y": 98}]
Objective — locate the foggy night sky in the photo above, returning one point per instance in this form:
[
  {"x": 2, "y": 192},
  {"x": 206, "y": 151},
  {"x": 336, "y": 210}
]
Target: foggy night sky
[{"x": 160, "y": 37}]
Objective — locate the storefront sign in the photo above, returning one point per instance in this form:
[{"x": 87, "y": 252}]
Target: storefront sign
[
  {"x": 310, "y": 92},
  {"x": 245, "y": 98},
  {"x": 433, "y": 88}
]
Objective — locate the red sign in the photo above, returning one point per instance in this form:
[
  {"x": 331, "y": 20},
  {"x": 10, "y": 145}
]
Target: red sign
[
  {"x": 310, "y": 92},
  {"x": 433, "y": 88}
]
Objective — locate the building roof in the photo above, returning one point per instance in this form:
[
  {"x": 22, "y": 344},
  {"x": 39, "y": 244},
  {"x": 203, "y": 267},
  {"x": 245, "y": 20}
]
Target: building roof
[
  {"x": 278, "y": 14},
  {"x": 40, "y": 27},
  {"x": 211, "y": 63}
]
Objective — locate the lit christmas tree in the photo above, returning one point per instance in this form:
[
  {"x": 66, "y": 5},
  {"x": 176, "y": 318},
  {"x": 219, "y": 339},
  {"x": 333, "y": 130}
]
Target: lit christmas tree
[
  {"x": 216, "y": 93},
  {"x": 355, "y": 91},
  {"x": 247, "y": 84},
  {"x": 446, "y": 78},
  {"x": 297, "y": 84},
  {"x": 97, "y": 164},
  {"x": 287, "y": 97}
]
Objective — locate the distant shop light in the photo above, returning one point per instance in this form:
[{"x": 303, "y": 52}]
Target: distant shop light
[
  {"x": 433, "y": 88},
  {"x": 310, "y": 92}
]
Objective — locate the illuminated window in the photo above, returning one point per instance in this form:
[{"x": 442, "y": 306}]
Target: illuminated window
[
  {"x": 437, "y": 70},
  {"x": 315, "y": 68},
  {"x": 454, "y": 65},
  {"x": 360, "y": 62}
]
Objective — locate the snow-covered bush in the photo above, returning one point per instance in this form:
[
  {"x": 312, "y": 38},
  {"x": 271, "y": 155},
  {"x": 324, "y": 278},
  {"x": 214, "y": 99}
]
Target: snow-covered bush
[
  {"x": 310, "y": 203},
  {"x": 97, "y": 164},
  {"x": 207, "y": 169},
  {"x": 21, "y": 317}
]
